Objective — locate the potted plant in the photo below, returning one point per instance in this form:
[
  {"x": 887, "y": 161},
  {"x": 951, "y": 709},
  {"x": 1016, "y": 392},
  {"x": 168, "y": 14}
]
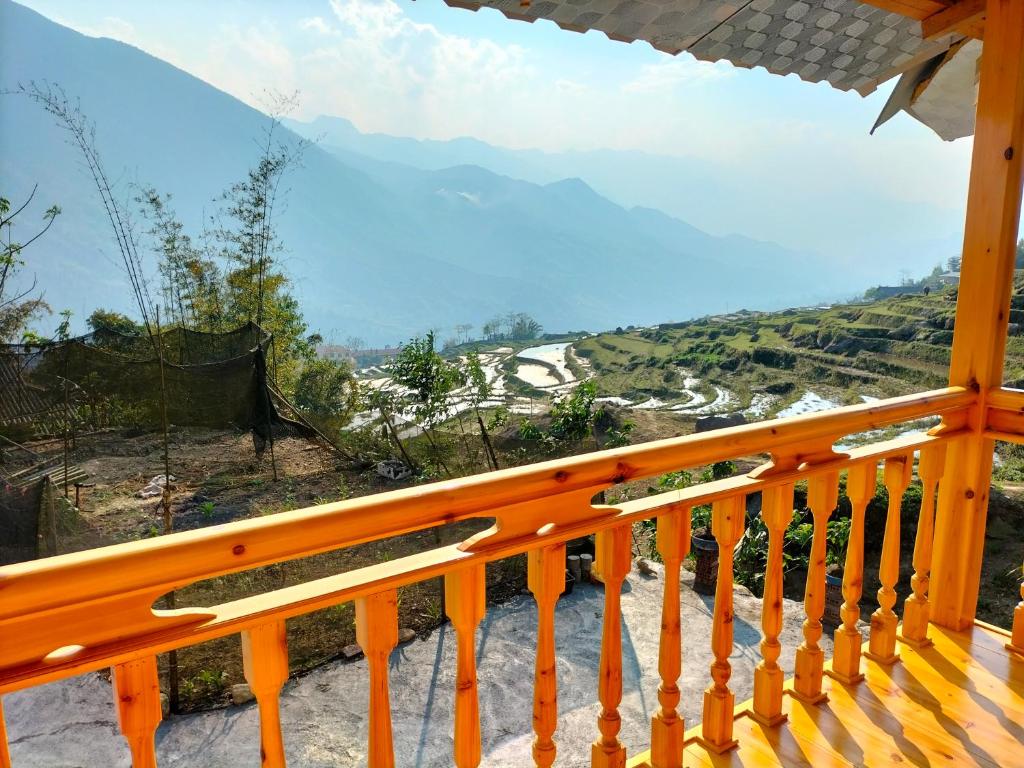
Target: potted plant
[{"x": 705, "y": 552}]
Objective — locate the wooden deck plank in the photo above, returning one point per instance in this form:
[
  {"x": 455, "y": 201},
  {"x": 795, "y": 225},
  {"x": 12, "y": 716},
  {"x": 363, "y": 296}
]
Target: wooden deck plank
[{"x": 959, "y": 702}]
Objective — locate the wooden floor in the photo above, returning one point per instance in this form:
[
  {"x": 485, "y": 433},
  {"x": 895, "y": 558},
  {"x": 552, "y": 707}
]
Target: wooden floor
[{"x": 957, "y": 703}]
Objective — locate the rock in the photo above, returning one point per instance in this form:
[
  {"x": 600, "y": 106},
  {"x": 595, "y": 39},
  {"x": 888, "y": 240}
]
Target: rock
[
  {"x": 406, "y": 635},
  {"x": 241, "y": 694},
  {"x": 351, "y": 652},
  {"x": 708, "y": 423}
]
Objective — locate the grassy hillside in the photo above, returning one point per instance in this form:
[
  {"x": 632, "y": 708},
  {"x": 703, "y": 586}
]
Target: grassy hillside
[{"x": 879, "y": 349}]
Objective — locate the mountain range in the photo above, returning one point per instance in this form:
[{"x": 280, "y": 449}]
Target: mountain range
[{"x": 385, "y": 237}]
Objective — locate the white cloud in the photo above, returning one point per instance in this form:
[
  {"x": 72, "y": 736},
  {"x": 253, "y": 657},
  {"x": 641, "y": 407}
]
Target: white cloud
[{"x": 676, "y": 72}]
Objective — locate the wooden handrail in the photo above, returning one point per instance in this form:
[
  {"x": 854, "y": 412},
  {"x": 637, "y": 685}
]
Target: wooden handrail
[{"x": 170, "y": 562}]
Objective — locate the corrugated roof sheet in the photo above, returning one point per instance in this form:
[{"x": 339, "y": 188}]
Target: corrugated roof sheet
[{"x": 849, "y": 44}]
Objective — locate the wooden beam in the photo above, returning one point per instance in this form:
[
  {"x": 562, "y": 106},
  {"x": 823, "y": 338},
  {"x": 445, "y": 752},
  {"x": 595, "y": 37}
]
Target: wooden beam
[
  {"x": 958, "y": 18},
  {"x": 983, "y": 308},
  {"x": 912, "y": 9}
]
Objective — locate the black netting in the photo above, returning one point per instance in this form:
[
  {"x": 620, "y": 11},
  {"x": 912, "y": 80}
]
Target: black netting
[
  {"x": 37, "y": 521},
  {"x": 106, "y": 378}
]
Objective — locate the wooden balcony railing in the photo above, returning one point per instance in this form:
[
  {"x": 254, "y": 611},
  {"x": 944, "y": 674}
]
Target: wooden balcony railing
[{"x": 79, "y": 612}]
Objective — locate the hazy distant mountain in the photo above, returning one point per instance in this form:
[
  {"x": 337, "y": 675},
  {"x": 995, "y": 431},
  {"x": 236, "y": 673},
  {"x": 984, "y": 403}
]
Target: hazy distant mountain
[{"x": 377, "y": 247}]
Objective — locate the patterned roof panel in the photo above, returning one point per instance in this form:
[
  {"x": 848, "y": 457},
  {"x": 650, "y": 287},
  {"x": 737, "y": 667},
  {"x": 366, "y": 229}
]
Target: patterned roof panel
[{"x": 849, "y": 44}]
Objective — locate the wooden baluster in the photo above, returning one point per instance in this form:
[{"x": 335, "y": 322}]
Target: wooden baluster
[
  {"x": 545, "y": 577},
  {"x": 137, "y": 696},
  {"x": 1016, "y": 643},
  {"x": 465, "y": 597},
  {"x": 916, "y": 608},
  {"x": 727, "y": 521},
  {"x": 377, "y": 635},
  {"x": 5, "y": 755},
  {"x": 673, "y": 540},
  {"x": 777, "y": 512},
  {"x": 265, "y": 664},
  {"x": 822, "y": 498},
  {"x": 613, "y": 549},
  {"x": 882, "y": 644},
  {"x": 860, "y": 488}
]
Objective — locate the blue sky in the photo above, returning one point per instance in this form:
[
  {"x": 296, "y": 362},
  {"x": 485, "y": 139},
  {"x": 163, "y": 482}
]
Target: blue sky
[{"x": 423, "y": 69}]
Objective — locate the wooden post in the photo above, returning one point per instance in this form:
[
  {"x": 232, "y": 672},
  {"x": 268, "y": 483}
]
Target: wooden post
[
  {"x": 916, "y": 609},
  {"x": 613, "y": 549},
  {"x": 860, "y": 488},
  {"x": 983, "y": 309},
  {"x": 265, "y": 664},
  {"x": 137, "y": 696},
  {"x": 377, "y": 635},
  {"x": 465, "y": 602},
  {"x": 5, "y": 755},
  {"x": 777, "y": 512},
  {"x": 728, "y": 517},
  {"x": 545, "y": 576},
  {"x": 822, "y": 498},
  {"x": 1016, "y": 643},
  {"x": 882, "y": 643},
  {"x": 673, "y": 541}
]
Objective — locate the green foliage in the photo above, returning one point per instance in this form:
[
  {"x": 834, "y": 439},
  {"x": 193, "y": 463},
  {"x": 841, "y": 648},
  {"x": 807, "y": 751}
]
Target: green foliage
[
  {"x": 573, "y": 416},
  {"x": 515, "y": 326},
  {"x": 327, "y": 390},
  {"x": 109, "y": 320},
  {"x": 206, "y": 509},
  {"x": 20, "y": 306}
]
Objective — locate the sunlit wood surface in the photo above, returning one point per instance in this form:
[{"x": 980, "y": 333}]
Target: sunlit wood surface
[{"x": 959, "y": 702}]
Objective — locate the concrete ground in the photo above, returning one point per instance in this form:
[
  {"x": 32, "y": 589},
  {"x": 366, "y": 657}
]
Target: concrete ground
[{"x": 72, "y": 723}]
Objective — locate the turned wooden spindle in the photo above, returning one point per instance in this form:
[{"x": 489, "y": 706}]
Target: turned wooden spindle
[
  {"x": 860, "y": 489},
  {"x": 916, "y": 608},
  {"x": 5, "y": 755},
  {"x": 673, "y": 541},
  {"x": 882, "y": 643},
  {"x": 545, "y": 577},
  {"x": 136, "y": 689},
  {"x": 777, "y": 512},
  {"x": 377, "y": 635},
  {"x": 822, "y": 498},
  {"x": 265, "y": 664},
  {"x": 1016, "y": 643},
  {"x": 728, "y": 517},
  {"x": 612, "y": 550},
  {"x": 465, "y": 594}
]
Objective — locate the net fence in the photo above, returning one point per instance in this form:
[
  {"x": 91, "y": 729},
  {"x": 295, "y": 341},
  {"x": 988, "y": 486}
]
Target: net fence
[{"x": 105, "y": 378}]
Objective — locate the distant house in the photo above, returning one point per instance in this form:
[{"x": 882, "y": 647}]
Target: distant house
[{"x": 950, "y": 278}]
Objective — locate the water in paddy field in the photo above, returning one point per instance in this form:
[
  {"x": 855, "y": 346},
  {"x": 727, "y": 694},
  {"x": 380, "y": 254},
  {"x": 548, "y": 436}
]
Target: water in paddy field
[
  {"x": 554, "y": 354},
  {"x": 808, "y": 403}
]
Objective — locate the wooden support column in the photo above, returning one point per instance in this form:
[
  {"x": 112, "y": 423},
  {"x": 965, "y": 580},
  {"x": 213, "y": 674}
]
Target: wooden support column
[
  {"x": 822, "y": 498},
  {"x": 860, "y": 489},
  {"x": 137, "y": 696},
  {"x": 983, "y": 304},
  {"x": 465, "y": 602},
  {"x": 882, "y": 643},
  {"x": 916, "y": 609},
  {"x": 673, "y": 540},
  {"x": 1016, "y": 643},
  {"x": 777, "y": 512},
  {"x": 728, "y": 517},
  {"x": 545, "y": 577},
  {"x": 265, "y": 664},
  {"x": 5, "y": 755},
  {"x": 613, "y": 551},
  {"x": 377, "y": 635}
]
